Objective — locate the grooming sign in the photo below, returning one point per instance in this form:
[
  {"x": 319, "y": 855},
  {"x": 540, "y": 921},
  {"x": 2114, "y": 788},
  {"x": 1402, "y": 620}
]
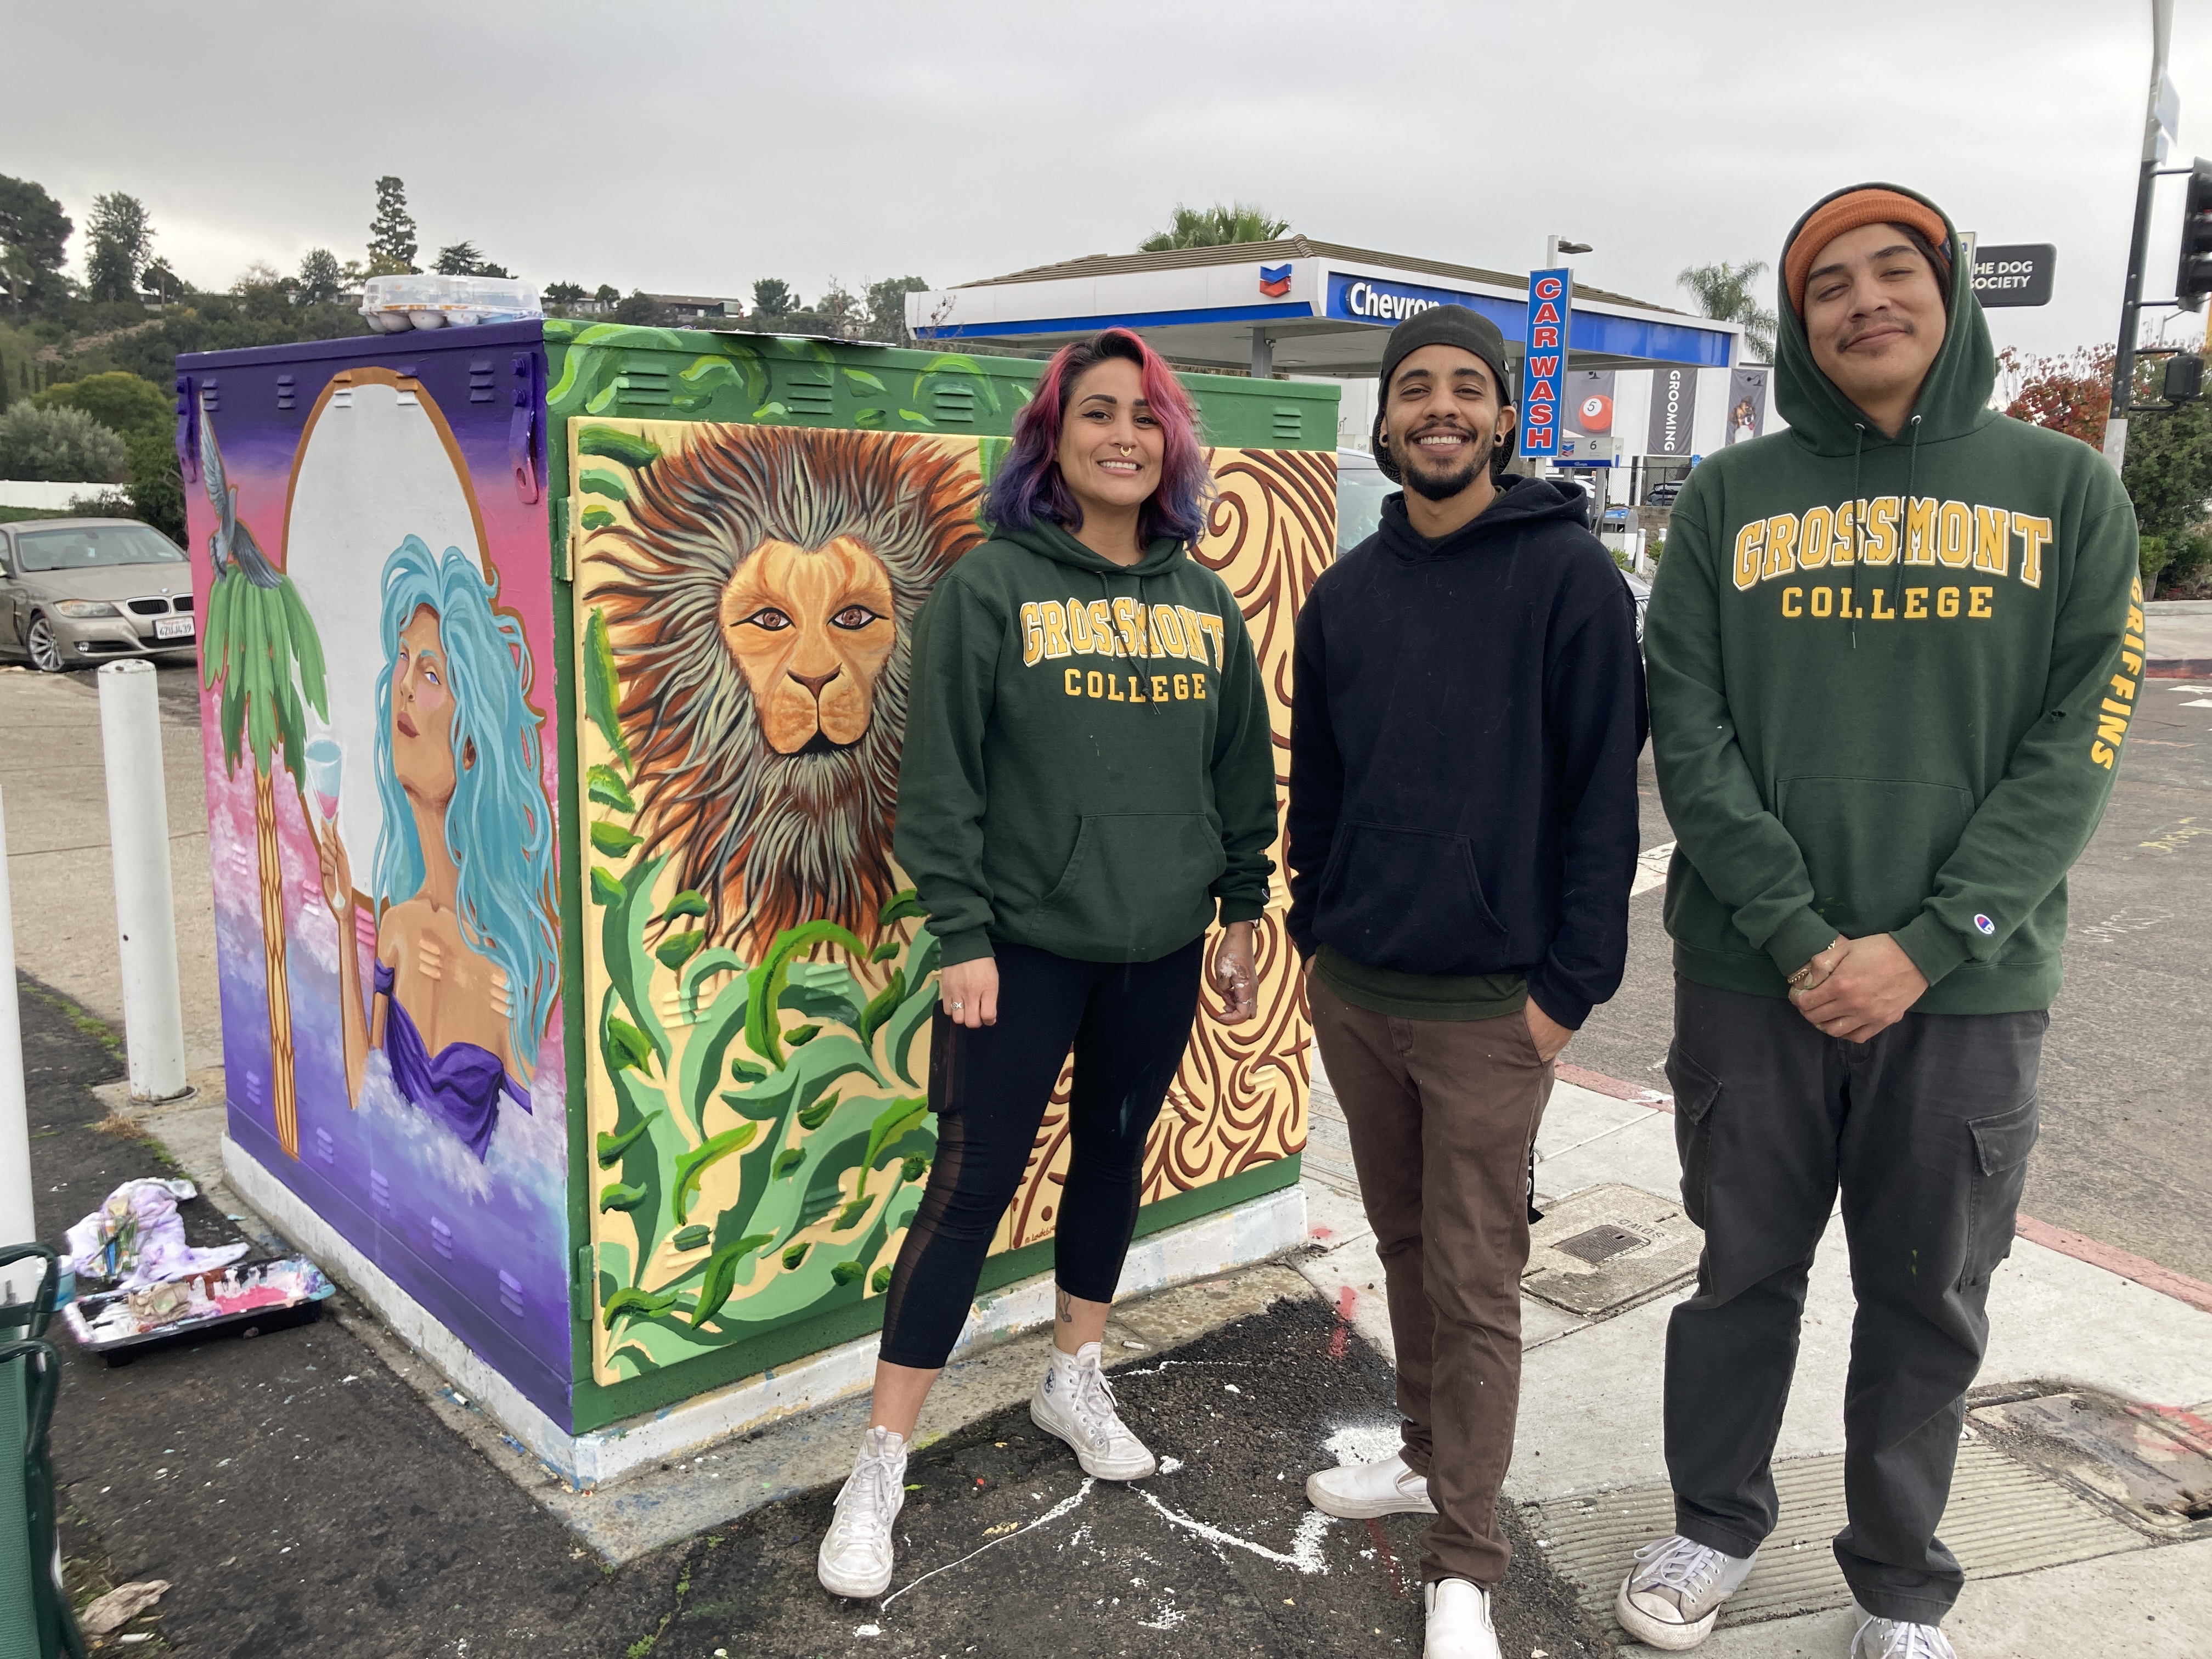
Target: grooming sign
[{"x": 1543, "y": 370}]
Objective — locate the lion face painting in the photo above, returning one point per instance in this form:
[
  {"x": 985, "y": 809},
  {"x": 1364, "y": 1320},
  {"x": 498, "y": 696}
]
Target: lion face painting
[{"x": 760, "y": 600}]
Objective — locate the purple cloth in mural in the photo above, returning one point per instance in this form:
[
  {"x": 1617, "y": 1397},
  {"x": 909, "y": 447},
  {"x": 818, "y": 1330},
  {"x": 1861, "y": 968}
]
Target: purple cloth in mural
[{"x": 459, "y": 1086}]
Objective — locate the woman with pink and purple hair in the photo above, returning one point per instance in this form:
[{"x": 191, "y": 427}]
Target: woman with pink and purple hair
[{"x": 1088, "y": 782}]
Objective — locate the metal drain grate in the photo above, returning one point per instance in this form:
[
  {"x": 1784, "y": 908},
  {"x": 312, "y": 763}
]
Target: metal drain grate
[
  {"x": 2003, "y": 1519},
  {"x": 1600, "y": 1243}
]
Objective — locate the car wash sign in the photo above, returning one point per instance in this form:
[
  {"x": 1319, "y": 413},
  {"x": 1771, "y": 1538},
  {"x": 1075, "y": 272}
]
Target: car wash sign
[{"x": 1544, "y": 369}]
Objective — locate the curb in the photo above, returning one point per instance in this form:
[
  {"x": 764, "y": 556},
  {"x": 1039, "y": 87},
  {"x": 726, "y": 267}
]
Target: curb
[
  {"x": 2178, "y": 668},
  {"x": 2138, "y": 1269}
]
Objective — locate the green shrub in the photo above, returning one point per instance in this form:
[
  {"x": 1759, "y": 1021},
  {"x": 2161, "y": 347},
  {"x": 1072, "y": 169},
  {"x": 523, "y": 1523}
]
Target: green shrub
[
  {"x": 2152, "y": 555},
  {"x": 58, "y": 444}
]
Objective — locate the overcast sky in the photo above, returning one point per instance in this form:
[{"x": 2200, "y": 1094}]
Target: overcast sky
[{"x": 692, "y": 147}]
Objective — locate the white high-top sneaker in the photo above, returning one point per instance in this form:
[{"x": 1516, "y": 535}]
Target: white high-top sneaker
[
  {"x": 1362, "y": 1492},
  {"x": 1894, "y": 1638},
  {"x": 855, "y": 1558},
  {"x": 1074, "y": 1402},
  {"x": 1674, "y": 1593},
  {"x": 1459, "y": 1620}
]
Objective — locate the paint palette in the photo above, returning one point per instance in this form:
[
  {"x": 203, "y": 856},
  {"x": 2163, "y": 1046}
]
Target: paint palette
[{"x": 244, "y": 1300}]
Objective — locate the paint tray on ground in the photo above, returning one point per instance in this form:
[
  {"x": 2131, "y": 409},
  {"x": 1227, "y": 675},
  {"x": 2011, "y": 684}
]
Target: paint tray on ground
[{"x": 245, "y": 1300}]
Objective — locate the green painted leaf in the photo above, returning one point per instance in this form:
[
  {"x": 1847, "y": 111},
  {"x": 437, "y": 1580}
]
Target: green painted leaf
[
  {"x": 871, "y": 416},
  {"x": 630, "y": 966},
  {"x": 913, "y": 1167},
  {"x": 606, "y": 889},
  {"x": 694, "y": 1164},
  {"x": 914, "y": 1013},
  {"x": 631, "y": 450},
  {"x": 686, "y": 903},
  {"x": 678, "y": 948},
  {"x": 771, "y": 978},
  {"x": 632, "y": 1047},
  {"x": 795, "y": 1255},
  {"x": 771, "y": 412},
  {"x": 849, "y": 1217},
  {"x": 898, "y": 907},
  {"x": 914, "y": 417},
  {"x": 827, "y": 1162},
  {"x": 799, "y": 1084},
  {"x": 598, "y": 481},
  {"x": 818, "y": 1114},
  {"x": 602, "y": 686},
  {"x": 788, "y": 1160},
  {"x": 893, "y": 1122},
  {"x": 746, "y": 1071},
  {"x": 612, "y": 839},
  {"x": 701, "y": 1069},
  {"x": 799, "y": 1036},
  {"x": 605, "y": 785},
  {"x": 880, "y": 1280},
  {"x": 886, "y": 951},
  {"x": 648, "y": 1305},
  {"x": 721, "y": 1277},
  {"x": 618, "y": 1196},
  {"x": 693, "y": 1237},
  {"x": 846, "y": 1272},
  {"x": 611, "y": 1147},
  {"x": 596, "y": 518},
  {"x": 860, "y": 377},
  {"x": 881, "y": 1006}
]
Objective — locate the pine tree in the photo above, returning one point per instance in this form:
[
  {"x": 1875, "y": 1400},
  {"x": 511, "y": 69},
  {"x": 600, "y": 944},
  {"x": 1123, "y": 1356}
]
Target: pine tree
[
  {"x": 391, "y": 242},
  {"x": 119, "y": 235}
]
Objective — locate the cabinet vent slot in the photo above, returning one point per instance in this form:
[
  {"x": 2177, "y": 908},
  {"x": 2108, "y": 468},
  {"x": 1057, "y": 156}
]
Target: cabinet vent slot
[
  {"x": 810, "y": 397},
  {"x": 1290, "y": 424},
  {"x": 953, "y": 404},
  {"x": 480, "y": 389},
  {"x": 285, "y": 390}
]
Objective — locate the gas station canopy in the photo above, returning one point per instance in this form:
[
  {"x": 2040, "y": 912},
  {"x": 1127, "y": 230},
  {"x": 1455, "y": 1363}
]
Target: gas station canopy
[{"x": 1296, "y": 307}]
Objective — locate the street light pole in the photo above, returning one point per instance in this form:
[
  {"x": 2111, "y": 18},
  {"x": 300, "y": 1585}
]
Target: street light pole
[{"x": 2155, "y": 119}]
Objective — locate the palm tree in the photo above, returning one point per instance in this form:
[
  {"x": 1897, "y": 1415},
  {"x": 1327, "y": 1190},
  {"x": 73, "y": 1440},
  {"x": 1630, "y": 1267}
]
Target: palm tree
[
  {"x": 260, "y": 646},
  {"x": 1215, "y": 226},
  {"x": 1723, "y": 292}
]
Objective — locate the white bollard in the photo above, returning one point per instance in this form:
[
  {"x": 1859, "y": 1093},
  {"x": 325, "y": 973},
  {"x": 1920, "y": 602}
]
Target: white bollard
[
  {"x": 145, "y": 909},
  {"x": 18, "y": 1226}
]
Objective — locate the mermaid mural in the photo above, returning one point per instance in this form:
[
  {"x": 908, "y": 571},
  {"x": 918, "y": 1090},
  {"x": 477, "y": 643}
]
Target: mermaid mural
[{"x": 467, "y": 961}]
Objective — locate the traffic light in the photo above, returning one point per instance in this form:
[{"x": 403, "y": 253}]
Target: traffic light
[
  {"x": 2185, "y": 378},
  {"x": 2194, "y": 280}
]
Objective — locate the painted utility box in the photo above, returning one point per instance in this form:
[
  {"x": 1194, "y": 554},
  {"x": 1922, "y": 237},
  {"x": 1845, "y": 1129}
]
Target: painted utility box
[{"x": 567, "y": 975}]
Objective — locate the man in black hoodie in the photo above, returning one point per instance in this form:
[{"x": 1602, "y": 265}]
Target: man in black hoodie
[{"x": 1466, "y": 716}]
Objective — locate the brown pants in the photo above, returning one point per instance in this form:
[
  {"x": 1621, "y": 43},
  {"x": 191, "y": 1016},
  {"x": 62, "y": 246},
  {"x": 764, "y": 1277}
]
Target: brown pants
[{"x": 1442, "y": 1113}]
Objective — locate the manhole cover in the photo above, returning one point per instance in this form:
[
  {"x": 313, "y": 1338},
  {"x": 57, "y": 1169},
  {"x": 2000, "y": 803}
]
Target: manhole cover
[
  {"x": 1608, "y": 1248},
  {"x": 2151, "y": 1462},
  {"x": 1600, "y": 1243}
]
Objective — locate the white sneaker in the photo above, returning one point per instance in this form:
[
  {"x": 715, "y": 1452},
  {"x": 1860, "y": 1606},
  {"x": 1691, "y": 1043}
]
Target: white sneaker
[
  {"x": 1459, "y": 1620},
  {"x": 1893, "y": 1638},
  {"x": 855, "y": 1558},
  {"x": 1674, "y": 1593},
  {"x": 1074, "y": 1402},
  {"x": 1361, "y": 1492}
]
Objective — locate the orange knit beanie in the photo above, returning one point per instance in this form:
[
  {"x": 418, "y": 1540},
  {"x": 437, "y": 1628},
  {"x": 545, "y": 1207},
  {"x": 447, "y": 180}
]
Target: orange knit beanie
[{"x": 1848, "y": 211}]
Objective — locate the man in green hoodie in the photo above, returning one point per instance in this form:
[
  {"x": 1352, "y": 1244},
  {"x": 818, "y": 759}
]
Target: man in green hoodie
[{"x": 1893, "y": 652}]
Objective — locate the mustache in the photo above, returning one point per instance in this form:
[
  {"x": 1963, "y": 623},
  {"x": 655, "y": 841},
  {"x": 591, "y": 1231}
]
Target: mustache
[{"x": 1880, "y": 320}]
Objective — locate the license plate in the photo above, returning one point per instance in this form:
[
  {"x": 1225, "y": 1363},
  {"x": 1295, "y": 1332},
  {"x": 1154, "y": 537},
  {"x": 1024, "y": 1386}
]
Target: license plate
[{"x": 172, "y": 628}]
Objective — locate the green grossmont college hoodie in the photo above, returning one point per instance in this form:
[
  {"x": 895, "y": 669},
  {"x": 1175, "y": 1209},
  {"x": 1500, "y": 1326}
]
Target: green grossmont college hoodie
[
  {"x": 1088, "y": 766},
  {"x": 1889, "y": 680}
]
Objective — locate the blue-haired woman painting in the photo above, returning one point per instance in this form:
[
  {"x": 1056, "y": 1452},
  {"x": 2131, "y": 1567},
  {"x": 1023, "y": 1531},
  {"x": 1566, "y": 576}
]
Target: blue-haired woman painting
[{"x": 467, "y": 965}]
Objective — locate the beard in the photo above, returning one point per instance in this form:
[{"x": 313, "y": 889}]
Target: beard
[{"x": 1442, "y": 487}]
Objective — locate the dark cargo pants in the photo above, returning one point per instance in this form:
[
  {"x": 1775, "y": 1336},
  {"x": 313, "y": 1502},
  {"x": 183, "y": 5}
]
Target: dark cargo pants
[
  {"x": 1442, "y": 1115},
  {"x": 1926, "y": 1130}
]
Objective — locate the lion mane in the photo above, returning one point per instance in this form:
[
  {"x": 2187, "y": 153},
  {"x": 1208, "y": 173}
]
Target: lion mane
[{"x": 770, "y": 840}]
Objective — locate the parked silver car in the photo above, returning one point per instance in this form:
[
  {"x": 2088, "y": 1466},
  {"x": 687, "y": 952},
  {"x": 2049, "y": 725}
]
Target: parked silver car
[{"x": 80, "y": 591}]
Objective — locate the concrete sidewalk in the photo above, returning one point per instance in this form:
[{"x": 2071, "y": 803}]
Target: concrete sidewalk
[
  {"x": 2054, "y": 1568},
  {"x": 2180, "y": 635}
]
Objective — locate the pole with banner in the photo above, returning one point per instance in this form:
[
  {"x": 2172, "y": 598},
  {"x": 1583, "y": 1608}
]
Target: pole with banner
[{"x": 1543, "y": 368}]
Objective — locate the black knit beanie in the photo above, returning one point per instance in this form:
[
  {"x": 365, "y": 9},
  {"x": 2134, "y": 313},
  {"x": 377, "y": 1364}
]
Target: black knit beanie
[{"x": 1451, "y": 325}]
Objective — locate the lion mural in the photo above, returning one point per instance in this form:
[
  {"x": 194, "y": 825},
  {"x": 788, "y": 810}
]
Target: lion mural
[{"x": 760, "y": 605}]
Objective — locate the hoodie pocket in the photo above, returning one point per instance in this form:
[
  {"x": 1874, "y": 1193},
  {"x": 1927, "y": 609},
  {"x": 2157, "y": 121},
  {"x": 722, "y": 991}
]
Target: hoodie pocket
[
  {"x": 1872, "y": 846},
  {"x": 1133, "y": 882},
  {"x": 1407, "y": 899}
]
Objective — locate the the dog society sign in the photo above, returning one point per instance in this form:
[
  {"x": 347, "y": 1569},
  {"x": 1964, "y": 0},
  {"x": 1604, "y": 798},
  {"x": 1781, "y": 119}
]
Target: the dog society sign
[{"x": 2017, "y": 275}]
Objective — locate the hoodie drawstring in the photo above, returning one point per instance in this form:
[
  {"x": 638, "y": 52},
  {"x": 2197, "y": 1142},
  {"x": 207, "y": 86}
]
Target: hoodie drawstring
[{"x": 1859, "y": 528}]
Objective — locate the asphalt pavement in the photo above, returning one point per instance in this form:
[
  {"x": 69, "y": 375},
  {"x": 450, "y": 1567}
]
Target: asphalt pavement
[{"x": 2126, "y": 1086}]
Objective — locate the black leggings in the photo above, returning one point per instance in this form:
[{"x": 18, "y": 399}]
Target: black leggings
[{"x": 1129, "y": 1023}]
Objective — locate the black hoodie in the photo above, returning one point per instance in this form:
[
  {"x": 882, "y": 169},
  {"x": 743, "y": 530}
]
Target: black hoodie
[{"x": 1465, "y": 722}]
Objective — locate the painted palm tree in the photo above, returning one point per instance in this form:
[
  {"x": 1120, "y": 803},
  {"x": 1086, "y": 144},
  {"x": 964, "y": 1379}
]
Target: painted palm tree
[{"x": 261, "y": 655}]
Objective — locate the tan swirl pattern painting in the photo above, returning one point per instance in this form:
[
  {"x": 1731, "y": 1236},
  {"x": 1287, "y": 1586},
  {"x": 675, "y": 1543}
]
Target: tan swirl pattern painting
[{"x": 1240, "y": 1099}]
